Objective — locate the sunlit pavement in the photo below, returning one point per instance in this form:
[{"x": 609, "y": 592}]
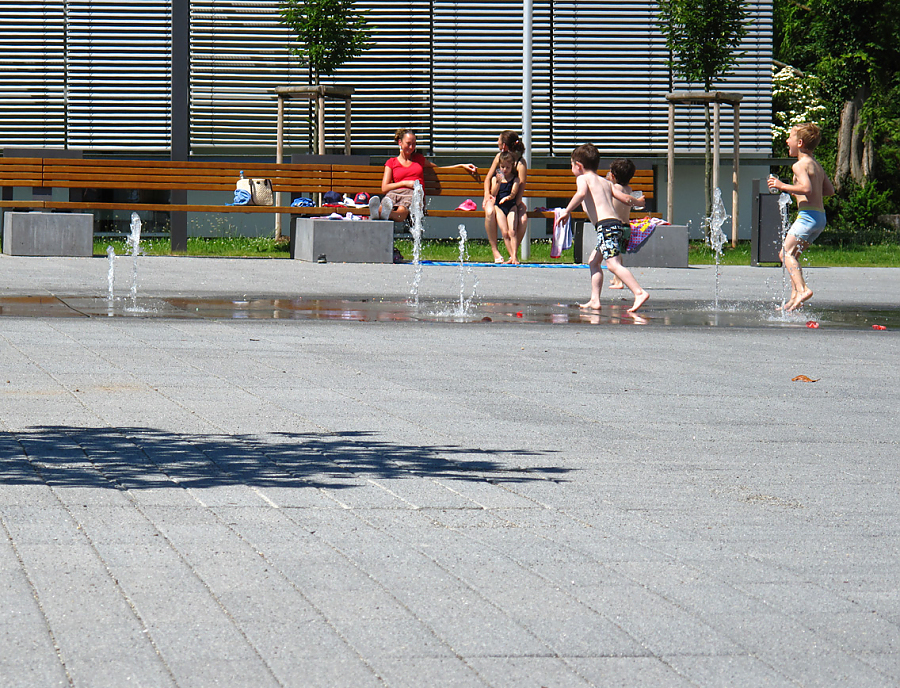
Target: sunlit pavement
[{"x": 262, "y": 472}]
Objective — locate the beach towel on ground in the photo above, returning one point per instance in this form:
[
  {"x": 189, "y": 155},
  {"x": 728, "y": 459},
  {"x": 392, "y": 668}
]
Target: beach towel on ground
[{"x": 641, "y": 231}]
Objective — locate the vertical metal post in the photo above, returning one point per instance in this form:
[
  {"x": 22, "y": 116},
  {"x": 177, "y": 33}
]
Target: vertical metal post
[
  {"x": 735, "y": 175},
  {"x": 320, "y": 119},
  {"x": 279, "y": 158},
  {"x": 717, "y": 153},
  {"x": 526, "y": 104},
  {"x": 181, "y": 115},
  {"x": 347, "y": 126},
  {"x": 670, "y": 167}
]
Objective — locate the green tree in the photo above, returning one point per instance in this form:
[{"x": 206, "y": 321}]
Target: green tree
[
  {"x": 329, "y": 33},
  {"x": 852, "y": 47},
  {"x": 703, "y": 37}
]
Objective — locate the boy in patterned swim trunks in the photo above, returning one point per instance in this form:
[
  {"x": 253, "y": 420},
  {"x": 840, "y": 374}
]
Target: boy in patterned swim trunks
[
  {"x": 810, "y": 186},
  {"x": 596, "y": 195}
]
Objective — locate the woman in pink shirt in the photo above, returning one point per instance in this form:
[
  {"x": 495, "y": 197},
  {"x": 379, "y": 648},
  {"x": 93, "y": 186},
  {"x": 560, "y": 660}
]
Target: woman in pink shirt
[{"x": 400, "y": 175}]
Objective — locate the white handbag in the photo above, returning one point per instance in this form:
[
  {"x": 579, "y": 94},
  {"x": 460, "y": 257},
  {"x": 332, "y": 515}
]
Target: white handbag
[{"x": 260, "y": 190}]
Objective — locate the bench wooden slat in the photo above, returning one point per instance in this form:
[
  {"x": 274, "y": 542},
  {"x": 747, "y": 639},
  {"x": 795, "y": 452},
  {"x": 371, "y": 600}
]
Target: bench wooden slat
[
  {"x": 191, "y": 208},
  {"x": 23, "y": 205}
]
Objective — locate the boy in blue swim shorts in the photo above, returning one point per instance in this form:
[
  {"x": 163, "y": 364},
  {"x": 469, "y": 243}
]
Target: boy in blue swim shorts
[{"x": 810, "y": 186}]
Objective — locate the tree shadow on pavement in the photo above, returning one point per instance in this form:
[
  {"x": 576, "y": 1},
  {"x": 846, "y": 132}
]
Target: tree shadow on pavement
[{"x": 142, "y": 458}]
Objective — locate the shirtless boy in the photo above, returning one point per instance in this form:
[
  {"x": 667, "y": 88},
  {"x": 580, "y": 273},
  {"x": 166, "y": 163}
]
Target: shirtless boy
[
  {"x": 810, "y": 185},
  {"x": 620, "y": 173},
  {"x": 596, "y": 195}
]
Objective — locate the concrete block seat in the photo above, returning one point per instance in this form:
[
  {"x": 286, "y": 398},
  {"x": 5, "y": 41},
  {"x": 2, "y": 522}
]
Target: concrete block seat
[
  {"x": 667, "y": 247},
  {"x": 48, "y": 234},
  {"x": 343, "y": 241}
]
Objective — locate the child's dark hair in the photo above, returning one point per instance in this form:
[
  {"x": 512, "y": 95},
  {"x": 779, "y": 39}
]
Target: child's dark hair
[
  {"x": 810, "y": 135},
  {"x": 512, "y": 141},
  {"x": 506, "y": 158},
  {"x": 588, "y": 155},
  {"x": 622, "y": 170}
]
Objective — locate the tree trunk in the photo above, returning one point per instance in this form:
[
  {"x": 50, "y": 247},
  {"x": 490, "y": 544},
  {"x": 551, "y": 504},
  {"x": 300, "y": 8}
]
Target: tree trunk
[
  {"x": 845, "y": 135},
  {"x": 854, "y": 154}
]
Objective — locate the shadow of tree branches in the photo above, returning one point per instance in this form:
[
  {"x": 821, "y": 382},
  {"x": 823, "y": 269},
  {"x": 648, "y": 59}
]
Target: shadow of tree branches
[{"x": 144, "y": 458}]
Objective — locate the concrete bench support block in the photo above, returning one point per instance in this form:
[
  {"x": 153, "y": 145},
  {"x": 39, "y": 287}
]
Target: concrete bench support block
[
  {"x": 48, "y": 234},
  {"x": 667, "y": 247},
  {"x": 343, "y": 241}
]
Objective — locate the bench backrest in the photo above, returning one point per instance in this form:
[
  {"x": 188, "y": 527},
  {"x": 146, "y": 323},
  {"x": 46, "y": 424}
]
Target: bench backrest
[
  {"x": 296, "y": 178},
  {"x": 191, "y": 175}
]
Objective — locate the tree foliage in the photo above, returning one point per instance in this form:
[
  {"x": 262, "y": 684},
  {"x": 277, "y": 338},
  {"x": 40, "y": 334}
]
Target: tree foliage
[
  {"x": 703, "y": 37},
  {"x": 851, "y": 49},
  {"x": 329, "y": 33}
]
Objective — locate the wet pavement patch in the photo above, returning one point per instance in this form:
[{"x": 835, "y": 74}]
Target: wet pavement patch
[{"x": 659, "y": 313}]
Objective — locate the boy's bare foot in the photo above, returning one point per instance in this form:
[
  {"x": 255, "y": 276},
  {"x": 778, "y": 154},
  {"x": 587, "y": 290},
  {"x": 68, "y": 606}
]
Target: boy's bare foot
[
  {"x": 616, "y": 284},
  {"x": 784, "y": 306},
  {"x": 512, "y": 260},
  {"x": 639, "y": 300},
  {"x": 590, "y": 305},
  {"x": 799, "y": 300}
]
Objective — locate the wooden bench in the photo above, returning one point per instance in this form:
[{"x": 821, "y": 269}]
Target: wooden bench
[
  {"x": 160, "y": 175},
  {"x": 288, "y": 179}
]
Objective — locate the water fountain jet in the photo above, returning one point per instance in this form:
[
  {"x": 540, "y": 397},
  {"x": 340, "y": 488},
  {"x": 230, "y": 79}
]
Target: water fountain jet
[{"x": 715, "y": 237}]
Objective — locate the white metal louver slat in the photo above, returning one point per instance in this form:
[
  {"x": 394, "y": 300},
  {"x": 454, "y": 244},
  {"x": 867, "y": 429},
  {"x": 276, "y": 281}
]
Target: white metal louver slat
[
  {"x": 118, "y": 85},
  {"x": 239, "y": 54},
  {"x": 32, "y": 57},
  {"x": 392, "y": 80}
]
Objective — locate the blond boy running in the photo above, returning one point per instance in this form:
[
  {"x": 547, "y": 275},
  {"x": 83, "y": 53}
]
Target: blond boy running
[
  {"x": 810, "y": 186},
  {"x": 596, "y": 195}
]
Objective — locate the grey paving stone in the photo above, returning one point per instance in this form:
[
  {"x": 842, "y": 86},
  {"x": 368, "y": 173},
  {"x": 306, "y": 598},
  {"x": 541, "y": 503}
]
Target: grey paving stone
[
  {"x": 527, "y": 671},
  {"x": 32, "y": 671},
  {"x": 412, "y": 672}
]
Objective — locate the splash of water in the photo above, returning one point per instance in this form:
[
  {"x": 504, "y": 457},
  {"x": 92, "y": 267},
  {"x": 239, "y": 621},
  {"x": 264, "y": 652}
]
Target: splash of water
[
  {"x": 417, "y": 213},
  {"x": 715, "y": 237},
  {"x": 134, "y": 241},
  {"x": 465, "y": 304},
  {"x": 784, "y": 203},
  {"x": 111, "y": 274}
]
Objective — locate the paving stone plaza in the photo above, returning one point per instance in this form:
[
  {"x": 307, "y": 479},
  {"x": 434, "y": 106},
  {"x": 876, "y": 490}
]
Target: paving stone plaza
[{"x": 271, "y": 496}]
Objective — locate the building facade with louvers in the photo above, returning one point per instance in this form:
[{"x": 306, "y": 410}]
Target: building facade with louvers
[{"x": 96, "y": 75}]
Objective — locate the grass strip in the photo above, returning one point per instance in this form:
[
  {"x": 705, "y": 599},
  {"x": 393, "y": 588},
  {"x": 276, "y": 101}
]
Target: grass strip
[{"x": 479, "y": 251}]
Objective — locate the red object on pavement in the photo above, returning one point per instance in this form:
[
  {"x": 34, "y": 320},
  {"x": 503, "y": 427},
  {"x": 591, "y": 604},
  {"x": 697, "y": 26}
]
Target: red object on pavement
[
  {"x": 519, "y": 315},
  {"x": 878, "y": 327},
  {"x": 812, "y": 324}
]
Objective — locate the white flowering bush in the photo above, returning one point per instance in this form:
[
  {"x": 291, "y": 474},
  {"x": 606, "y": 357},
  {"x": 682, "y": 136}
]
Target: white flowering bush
[{"x": 795, "y": 99}]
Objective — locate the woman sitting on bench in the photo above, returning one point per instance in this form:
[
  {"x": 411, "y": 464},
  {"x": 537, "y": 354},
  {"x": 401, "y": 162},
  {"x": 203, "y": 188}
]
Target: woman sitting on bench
[
  {"x": 400, "y": 175},
  {"x": 508, "y": 141}
]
